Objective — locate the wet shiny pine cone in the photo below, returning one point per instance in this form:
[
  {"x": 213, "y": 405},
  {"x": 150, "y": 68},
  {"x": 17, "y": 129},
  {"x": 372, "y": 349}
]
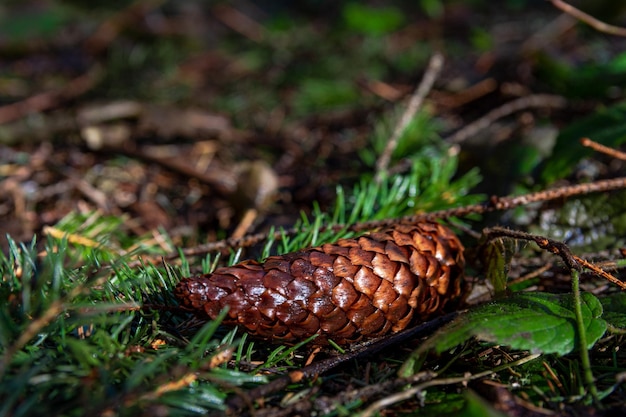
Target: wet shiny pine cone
[{"x": 356, "y": 288}]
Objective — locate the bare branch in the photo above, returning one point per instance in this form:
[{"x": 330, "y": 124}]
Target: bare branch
[
  {"x": 432, "y": 71},
  {"x": 598, "y": 25},
  {"x": 532, "y": 101},
  {"x": 598, "y": 147}
]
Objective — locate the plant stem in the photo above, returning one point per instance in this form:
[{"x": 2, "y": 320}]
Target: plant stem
[{"x": 582, "y": 337}]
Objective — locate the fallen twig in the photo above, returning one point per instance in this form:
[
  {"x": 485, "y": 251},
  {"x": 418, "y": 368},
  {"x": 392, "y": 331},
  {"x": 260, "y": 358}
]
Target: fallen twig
[
  {"x": 240, "y": 23},
  {"x": 598, "y": 147},
  {"x": 415, "y": 390},
  {"x": 50, "y": 99},
  {"x": 600, "y": 272},
  {"x": 239, "y": 402},
  {"x": 598, "y": 25},
  {"x": 434, "y": 67},
  {"x": 575, "y": 265},
  {"x": 494, "y": 204},
  {"x": 532, "y": 101},
  {"x": 553, "y": 246}
]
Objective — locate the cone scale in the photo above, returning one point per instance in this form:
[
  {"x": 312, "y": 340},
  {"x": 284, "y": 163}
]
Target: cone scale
[{"x": 354, "y": 289}]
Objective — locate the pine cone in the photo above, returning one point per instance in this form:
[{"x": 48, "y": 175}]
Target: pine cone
[{"x": 353, "y": 289}]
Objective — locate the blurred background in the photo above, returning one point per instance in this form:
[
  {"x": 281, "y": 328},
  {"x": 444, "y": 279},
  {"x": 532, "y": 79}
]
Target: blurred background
[{"x": 190, "y": 116}]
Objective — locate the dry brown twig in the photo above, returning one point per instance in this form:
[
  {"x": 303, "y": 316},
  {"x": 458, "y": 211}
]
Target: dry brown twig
[
  {"x": 471, "y": 93},
  {"x": 598, "y": 147},
  {"x": 494, "y": 204},
  {"x": 432, "y": 381},
  {"x": 558, "y": 248},
  {"x": 598, "y": 271},
  {"x": 240, "y": 22},
  {"x": 50, "y": 99},
  {"x": 417, "y": 99},
  {"x": 523, "y": 103},
  {"x": 598, "y": 25},
  {"x": 320, "y": 367}
]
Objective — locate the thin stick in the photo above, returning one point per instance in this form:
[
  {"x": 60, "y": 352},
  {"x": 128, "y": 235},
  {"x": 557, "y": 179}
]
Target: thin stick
[
  {"x": 530, "y": 275},
  {"x": 575, "y": 265},
  {"x": 598, "y": 25},
  {"x": 413, "y": 391},
  {"x": 505, "y": 203},
  {"x": 494, "y": 204},
  {"x": 558, "y": 248},
  {"x": 598, "y": 147},
  {"x": 245, "y": 223},
  {"x": 523, "y": 103},
  {"x": 240, "y": 23},
  {"x": 432, "y": 71},
  {"x": 600, "y": 272},
  {"x": 45, "y": 101},
  {"x": 317, "y": 368}
]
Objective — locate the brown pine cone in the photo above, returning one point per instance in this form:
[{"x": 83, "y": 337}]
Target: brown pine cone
[{"x": 356, "y": 288}]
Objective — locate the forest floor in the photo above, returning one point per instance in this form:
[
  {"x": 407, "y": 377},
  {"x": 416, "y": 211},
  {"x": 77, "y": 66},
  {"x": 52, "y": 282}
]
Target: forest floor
[{"x": 190, "y": 122}]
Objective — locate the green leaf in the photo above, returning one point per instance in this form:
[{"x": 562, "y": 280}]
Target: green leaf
[
  {"x": 606, "y": 126},
  {"x": 615, "y": 309},
  {"x": 539, "y": 322}
]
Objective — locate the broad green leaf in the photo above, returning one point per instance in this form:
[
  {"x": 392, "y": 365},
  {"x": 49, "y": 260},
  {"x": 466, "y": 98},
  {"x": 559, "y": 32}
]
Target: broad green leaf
[
  {"x": 615, "y": 309},
  {"x": 606, "y": 126},
  {"x": 538, "y": 322}
]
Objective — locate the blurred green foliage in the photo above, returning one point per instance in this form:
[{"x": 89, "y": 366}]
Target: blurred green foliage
[
  {"x": 33, "y": 24},
  {"x": 361, "y": 18},
  {"x": 596, "y": 79},
  {"x": 433, "y": 8}
]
